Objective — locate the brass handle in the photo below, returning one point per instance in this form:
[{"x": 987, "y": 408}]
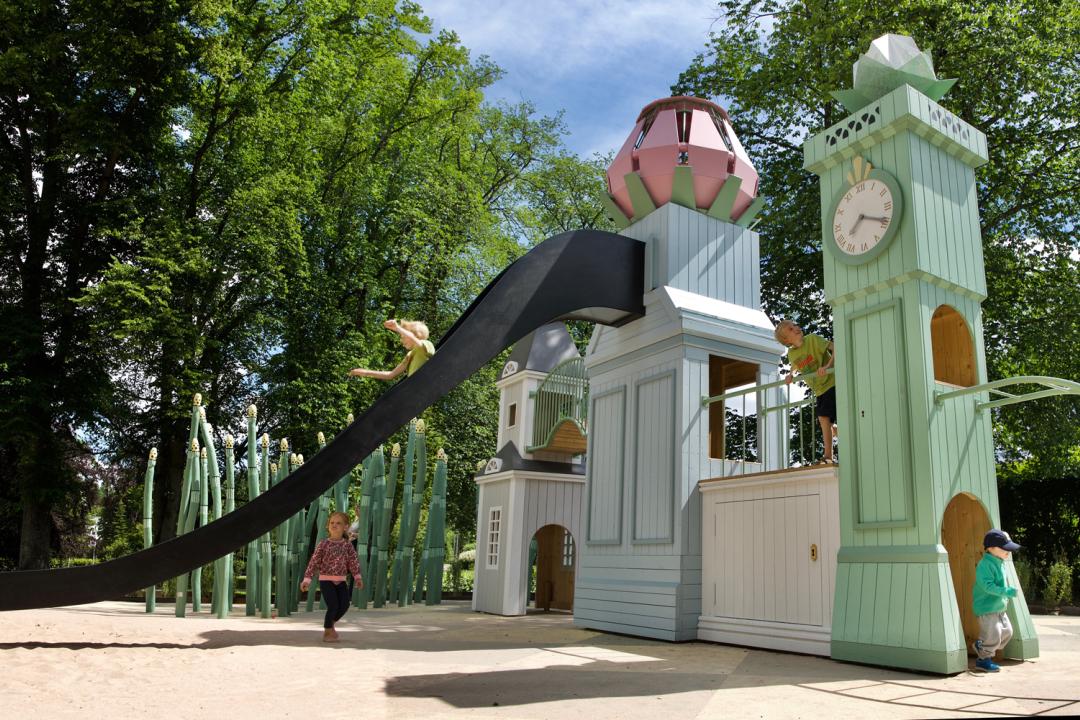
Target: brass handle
[{"x": 813, "y": 553}]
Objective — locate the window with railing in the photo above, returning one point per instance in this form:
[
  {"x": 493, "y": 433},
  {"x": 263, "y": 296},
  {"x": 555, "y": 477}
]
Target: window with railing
[
  {"x": 729, "y": 420},
  {"x": 767, "y": 426}
]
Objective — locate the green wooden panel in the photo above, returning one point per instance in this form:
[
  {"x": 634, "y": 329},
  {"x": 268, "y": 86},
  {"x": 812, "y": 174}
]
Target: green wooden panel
[
  {"x": 639, "y": 195},
  {"x": 682, "y": 187},
  {"x": 880, "y": 436},
  {"x": 751, "y": 212},
  {"x": 725, "y": 199},
  {"x": 614, "y": 212}
]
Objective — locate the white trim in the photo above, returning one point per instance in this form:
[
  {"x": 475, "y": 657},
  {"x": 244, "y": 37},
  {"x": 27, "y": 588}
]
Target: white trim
[
  {"x": 496, "y": 526},
  {"x": 527, "y": 475},
  {"x": 784, "y": 477},
  {"x": 789, "y": 637},
  {"x": 519, "y": 376}
]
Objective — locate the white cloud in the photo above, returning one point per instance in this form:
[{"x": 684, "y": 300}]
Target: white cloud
[{"x": 601, "y": 62}]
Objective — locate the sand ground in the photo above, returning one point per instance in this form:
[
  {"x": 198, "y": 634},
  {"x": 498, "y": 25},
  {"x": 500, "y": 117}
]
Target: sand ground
[{"x": 112, "y": 660}]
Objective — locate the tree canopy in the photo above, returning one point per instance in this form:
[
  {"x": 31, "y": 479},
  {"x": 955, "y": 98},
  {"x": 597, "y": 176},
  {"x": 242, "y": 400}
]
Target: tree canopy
[{"x": 772, "y": 63}]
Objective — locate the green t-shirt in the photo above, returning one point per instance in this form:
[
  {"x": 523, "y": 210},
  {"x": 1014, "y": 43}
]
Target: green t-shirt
[
  {"x": 807, "y": 358},
  {"x": 419, "y": 355}
]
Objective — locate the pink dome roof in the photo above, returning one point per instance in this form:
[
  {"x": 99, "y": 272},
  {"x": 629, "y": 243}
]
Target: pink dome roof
[{"x": 691, "y": 133}]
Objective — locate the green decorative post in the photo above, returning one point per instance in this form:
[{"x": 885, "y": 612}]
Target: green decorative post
[
  {"x": 366, "y": 527},
  {"x": 281, "y": 579},
  {"x": 204, "y": 496},
  {"x": 436, "y": 532},
  {"x": 266, "y": 572},
  {"x": 904, "y": 275},
  {"x": 251, "y": 557},
  {"x": 229, "y": 590},
  {"x": 382, "y": 507},
  {"x": 410, "y": 456},
  {"x": 148, "y": 521},
  {"x": 185, "y": 520},
  {"x": 206, "y": 432}
]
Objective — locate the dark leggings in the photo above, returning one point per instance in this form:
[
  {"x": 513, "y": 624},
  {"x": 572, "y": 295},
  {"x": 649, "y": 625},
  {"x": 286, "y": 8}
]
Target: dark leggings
[{"x": 336, "y": 597}]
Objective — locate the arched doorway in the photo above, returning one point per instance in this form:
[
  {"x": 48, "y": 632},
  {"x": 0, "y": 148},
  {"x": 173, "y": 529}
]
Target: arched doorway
[
  {"x": 962, "y": 529},
  {"x": 556, "y": 558}
]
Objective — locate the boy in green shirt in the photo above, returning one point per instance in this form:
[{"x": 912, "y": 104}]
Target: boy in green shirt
[
  {"x": 813, "y": 354},
  {"x": 990, "y": 598},
  {"x": 414, "y": 336}
]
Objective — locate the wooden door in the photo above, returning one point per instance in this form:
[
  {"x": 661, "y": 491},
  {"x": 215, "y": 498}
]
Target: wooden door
[
  {"x": 769, "y": 557},
  {"x": 555, "y": 558},
  {"x": 962, "y": 529}
]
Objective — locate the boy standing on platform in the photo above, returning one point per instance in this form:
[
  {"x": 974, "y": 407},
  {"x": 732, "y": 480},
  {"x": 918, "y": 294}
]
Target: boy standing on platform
[{"x": 812, "y": 356}]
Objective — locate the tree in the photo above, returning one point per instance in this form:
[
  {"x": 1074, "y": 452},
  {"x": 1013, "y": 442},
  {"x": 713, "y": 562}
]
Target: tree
[
  {"x": 775, "y": 62},
  {"x": 86, "y": 92}
]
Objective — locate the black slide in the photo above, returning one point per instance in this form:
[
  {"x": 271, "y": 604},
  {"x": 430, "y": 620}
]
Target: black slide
[{"x": 587, "y": 274}]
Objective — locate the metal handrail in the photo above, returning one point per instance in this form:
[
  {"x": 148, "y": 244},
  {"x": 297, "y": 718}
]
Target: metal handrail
[
  {"x": 763, "y": 410},
  {"x": 1057, "y": 386},
  {"x": 706, "y": 401}
]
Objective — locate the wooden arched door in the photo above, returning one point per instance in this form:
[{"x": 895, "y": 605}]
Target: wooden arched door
[
  {"x": 962, "y": 529},
  {"x": 555, "y": 561}
]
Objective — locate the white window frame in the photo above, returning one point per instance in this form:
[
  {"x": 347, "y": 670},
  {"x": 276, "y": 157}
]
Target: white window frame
[
  {"x": 569, "y": 550},
  {"x": 494, "y": 537},
  {"x": 511, "y": 415}
]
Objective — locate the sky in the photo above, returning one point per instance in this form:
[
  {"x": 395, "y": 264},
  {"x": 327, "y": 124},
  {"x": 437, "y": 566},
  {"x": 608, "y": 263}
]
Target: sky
[{"x": 599, "y": 61}]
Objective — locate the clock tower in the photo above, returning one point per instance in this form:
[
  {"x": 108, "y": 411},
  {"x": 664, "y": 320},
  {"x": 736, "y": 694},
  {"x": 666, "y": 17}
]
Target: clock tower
[{"x": 904, "y": 275}]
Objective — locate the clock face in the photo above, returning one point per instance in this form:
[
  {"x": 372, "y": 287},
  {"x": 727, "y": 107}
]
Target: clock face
[{"x": 865, "y": 217}]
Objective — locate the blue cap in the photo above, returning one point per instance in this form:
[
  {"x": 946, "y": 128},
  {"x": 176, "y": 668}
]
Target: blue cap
[{"x": 1001, "y": 539}]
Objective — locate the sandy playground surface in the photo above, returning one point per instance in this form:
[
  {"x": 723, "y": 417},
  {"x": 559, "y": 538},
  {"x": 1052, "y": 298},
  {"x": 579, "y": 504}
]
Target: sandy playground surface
[{"x": 112, "y": 660}]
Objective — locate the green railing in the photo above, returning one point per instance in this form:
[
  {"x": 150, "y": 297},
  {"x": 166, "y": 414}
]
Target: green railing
[
  {"x": 1053, "y": 385},
  {"x": 746, "y": 440},
  {"x": 562, "y": 396}
]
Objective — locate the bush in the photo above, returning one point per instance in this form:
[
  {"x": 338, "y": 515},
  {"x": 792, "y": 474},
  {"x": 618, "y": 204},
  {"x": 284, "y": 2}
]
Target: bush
[
  {"x": 1026, "y": 575},
  {"x": 1058, "y": 584},
  {"x": 465, "y": 581}
]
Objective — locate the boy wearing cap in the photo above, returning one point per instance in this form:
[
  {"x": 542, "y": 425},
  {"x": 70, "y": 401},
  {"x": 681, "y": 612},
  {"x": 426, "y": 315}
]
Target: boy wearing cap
[{"x": 990, "y": 597}]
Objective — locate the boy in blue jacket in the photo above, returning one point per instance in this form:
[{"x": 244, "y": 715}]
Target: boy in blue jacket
[{"x": 990, "y": 597}]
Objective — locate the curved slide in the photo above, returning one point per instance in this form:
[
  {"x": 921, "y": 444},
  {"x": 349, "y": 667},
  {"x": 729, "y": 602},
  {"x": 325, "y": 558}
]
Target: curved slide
[{"x": 587, "y": 274}]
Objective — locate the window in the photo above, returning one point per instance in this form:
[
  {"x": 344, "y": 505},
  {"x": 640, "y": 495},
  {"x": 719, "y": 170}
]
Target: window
[
  {"x": 954, "y": 351},
  {"x": 494, "y": 532},
  {"x": 725, "y": 375},
  {"x": 568, "y": 549},
  {"x": 511, "y": 415}
]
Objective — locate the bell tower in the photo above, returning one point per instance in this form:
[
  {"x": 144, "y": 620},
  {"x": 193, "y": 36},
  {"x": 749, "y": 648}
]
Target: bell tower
[{"x": 904, "y": 275}]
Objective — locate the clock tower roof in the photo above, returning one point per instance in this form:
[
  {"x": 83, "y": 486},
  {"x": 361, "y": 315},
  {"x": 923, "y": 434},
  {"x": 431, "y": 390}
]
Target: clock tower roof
[{"x": 891, "y": 61}]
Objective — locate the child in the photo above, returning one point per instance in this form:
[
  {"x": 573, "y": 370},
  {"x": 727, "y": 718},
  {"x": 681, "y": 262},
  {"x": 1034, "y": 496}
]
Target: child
[
  {"x": 332, "y": 559},
  {"x": 807, "y": 354},
  {"x": 990, "y": 597},
  {"x": 414, "y": 336}
]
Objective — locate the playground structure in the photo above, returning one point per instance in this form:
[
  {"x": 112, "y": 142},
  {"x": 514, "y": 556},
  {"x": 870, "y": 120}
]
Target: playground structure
[
  {"x": 684, "y": 533},
  {"x": 275, "y": 561}
]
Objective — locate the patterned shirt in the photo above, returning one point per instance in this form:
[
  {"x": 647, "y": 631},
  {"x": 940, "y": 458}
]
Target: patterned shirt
[{"x": 333, "y": 560}]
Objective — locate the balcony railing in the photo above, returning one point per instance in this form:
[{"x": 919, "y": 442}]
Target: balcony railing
[
  {"x": 561, "y": 400},
  {"x": 751, "y": 438}
]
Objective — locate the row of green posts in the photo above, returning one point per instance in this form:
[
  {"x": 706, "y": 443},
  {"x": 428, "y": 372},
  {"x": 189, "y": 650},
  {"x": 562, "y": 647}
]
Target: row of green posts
[{"x": 277, "y": 559}]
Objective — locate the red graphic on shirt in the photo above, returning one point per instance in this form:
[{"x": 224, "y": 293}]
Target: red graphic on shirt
[{"x": 806, "y": 361}]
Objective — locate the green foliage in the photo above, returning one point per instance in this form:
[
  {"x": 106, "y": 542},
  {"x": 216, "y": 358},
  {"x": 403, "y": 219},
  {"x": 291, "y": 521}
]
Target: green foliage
[
  {"x": 1058, "y": 590},
  {"x": 1025, "y": 574}
]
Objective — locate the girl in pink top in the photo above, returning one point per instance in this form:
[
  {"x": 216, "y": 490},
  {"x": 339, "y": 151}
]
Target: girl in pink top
[{"x": 334, "y": 560}]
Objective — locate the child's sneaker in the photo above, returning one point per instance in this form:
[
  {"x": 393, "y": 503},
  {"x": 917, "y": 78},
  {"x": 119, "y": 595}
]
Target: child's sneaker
[
  {"x": 977, "y": 647},
  {"x": 987, "y": 665}
]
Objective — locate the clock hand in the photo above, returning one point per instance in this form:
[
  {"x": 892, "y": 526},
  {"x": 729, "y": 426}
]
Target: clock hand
[
  {"x": 857, "y": 221},
  {"x": 868, "y": 217}
]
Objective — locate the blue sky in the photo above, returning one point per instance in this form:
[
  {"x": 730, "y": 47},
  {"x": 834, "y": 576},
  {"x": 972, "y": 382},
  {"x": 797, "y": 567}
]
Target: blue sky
[{"x": 600, "y": 62}]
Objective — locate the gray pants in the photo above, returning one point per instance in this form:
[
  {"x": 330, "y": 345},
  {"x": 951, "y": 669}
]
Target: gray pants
[{"x": 995, "y": 632}]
